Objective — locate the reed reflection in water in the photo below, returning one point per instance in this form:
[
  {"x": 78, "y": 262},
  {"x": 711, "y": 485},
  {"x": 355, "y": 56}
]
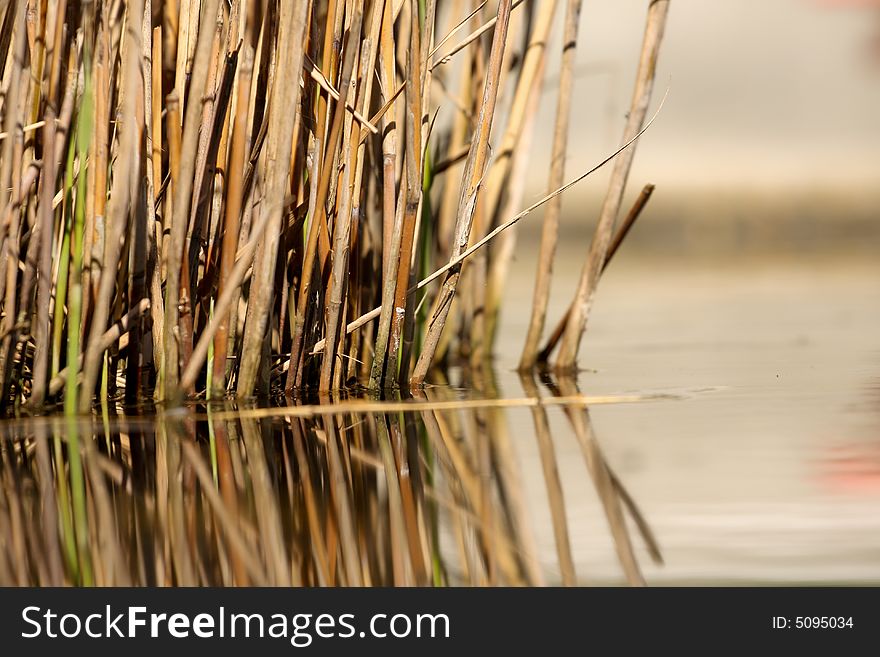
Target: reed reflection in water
[{"x": 416, "y": 492}]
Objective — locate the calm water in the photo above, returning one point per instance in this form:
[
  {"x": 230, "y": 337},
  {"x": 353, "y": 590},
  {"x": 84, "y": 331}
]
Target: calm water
[
  {"x": 727, "y": 431},
  {"x": 768, "y": 470}
]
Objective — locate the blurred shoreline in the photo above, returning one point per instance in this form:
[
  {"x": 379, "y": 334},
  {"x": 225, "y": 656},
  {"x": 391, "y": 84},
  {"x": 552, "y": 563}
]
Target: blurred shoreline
[{"x": 721, "y": 223}]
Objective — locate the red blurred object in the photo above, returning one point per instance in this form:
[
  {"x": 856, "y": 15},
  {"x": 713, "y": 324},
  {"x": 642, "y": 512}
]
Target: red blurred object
[
  {"x": 873, "y": 45},
  {"x": 850, "y": 3},
  {"x": 851, "y": 469}
]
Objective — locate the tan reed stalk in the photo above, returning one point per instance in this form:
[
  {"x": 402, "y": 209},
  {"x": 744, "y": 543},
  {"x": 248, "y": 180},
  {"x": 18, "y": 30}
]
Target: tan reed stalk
[
  {"x": 550, "y": 226},
  {"x": 503, "y": 252},
  {"x": 577, "y": 321},
  {"x": 102, "y": 132},
  {"x": 154, "y": 229},
  {"x": 46, "y": 218},
  {"x": 412, "y": 199},
  {"x": 423, "y": 229},
  {"x": 318, "y": 220},
  {"x": 182, "y": 195},
  {"x": 343, "y": 224},
  {"x": 360, "y": 291},
  {"x": 234, "y": 203},
  {"x": 391, "y": 233},
  {"x": 284, "y": 102},
  {"x": 472, "y": 179},
  {"x": 457, "y": 260},
  {"x": 509, "y": 166},
  {"x": 123, "y": 195},
  {"x": 10, "y": 173}
]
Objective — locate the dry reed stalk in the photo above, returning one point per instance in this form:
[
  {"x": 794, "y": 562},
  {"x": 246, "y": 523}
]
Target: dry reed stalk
[
  {"x": 550, "y": 226},
  {"x": 505, "y": 185},
  {"x": 314, "y": 162},
  {"x": 123, "y": 197},
  {"x": 391, "y": 233},
  {"x": 423, "y": 237},
  {"x": 457, "y": 260},
  {"x": 318, "y": 223},
  {"x": 10, "y": 176},
  {"x": 232, "y": 217},
  {"x": 154, "y": 229},
  {"x": 44, "y": 289},
  {"x": 412, "y": 199},
  {"x": 186, "y": 33},
  {"x": 577, "y": 321},
  {"x": 284, "y": 118},
  {"x": 360, "y": 294},
  {"x": 175, "y": 264},
  {"x": 473, "y": 36},
  {"x": 472, "y": 180},
  {"x": 343, "y": 224},
  {"x": 100, "y": 155},
  {"x": 503, "y": 252},
  {"x": 48, "y": 175}
]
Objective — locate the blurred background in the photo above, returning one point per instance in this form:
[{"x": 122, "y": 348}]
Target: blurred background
[{"x": 769, "y": 139}]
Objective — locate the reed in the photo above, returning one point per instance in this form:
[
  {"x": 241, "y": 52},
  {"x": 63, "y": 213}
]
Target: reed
[
  {"x": 577, "y": 317},
  {"x": 201, "y": 199},
  {"x": 550, "y": 227}
]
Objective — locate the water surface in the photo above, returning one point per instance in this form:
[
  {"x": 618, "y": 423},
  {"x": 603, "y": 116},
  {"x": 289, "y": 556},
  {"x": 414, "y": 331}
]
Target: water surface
[{"x": 727, "y": 430}]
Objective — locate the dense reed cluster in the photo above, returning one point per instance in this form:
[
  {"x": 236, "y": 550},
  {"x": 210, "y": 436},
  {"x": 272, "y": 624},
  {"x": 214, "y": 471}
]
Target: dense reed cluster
[{"x": 206, "y": 197}]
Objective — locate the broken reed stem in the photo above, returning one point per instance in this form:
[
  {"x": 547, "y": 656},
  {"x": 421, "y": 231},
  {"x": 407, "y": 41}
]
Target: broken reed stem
[
  {"x": 550, "y": 225},
  {"x": 621, "y": 233},
  {"x": 577, "y": 320}
]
